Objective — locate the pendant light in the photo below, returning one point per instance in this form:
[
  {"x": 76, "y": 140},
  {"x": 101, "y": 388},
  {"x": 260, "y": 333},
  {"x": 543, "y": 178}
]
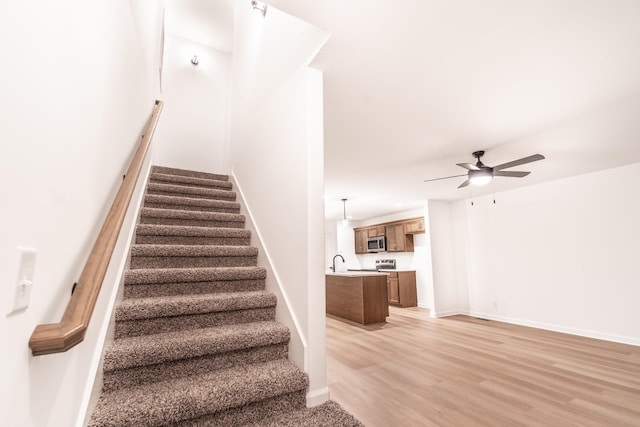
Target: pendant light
[{"x": 345, "y": 221}]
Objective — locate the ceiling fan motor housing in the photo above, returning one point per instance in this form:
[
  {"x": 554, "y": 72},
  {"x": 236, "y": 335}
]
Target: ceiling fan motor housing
[{"x": 484, "y": 171}]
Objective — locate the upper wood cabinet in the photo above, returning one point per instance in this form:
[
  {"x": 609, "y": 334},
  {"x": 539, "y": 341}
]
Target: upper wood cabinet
[
  {"x": 376, "y": 231},
  {"x": 414, "y": 226},
  {"x": 399, "y": 234},
  {"x": 397, "y": 240},
  {"x": 361, "y": 240}
]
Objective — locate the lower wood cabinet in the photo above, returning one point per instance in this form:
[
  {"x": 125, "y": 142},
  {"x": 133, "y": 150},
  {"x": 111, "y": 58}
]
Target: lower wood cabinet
[
  {"x": 358, "y": 298},
  {"x": 401, "y": 288}
]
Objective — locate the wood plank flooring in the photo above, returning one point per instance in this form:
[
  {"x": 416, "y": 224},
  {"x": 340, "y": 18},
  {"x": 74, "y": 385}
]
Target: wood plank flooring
[{"x": 461, "y": 371}]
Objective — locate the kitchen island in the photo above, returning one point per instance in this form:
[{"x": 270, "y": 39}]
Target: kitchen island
[{"x": 360, "y": 297}]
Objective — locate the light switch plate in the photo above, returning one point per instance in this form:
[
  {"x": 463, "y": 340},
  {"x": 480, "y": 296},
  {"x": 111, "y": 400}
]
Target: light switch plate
[{"x": 24, "y": 280}]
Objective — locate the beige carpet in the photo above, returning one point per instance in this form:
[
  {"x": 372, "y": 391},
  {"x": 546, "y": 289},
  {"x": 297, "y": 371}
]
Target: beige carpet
[{"x": 196, "y": 340}]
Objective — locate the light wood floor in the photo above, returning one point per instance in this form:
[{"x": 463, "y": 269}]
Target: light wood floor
[{"x": 461, "y": 371}]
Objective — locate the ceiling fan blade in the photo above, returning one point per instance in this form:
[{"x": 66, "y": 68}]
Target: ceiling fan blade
[
  {"x": 446, "y": 177},
  {"x": 529, "y": 159},
  {"x": 464, "y": 184},
  {"x": 512, "y": 174},
  {"x": 468, "y": 166}
]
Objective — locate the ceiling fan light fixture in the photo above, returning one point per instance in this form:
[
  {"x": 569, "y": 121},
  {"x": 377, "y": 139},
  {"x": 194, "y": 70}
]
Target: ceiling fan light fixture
[{"x": 481, "y": 177}]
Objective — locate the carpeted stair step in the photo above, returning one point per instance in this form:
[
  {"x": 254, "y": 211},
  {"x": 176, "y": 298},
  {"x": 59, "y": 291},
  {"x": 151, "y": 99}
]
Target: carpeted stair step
[
  {"x": 190, "y": 191},
  {"x": 150, "y": 282},
  {"x": 190, "y": 204},
  {"x": 136, "y": 360},
  {"x": 189, "y": 180},
  {"x": 146, "y": 316},
  {"x": 192, "y": 218},
  {"x": 191, "y": 235},
  {"x": 186, "y": 256},
  {"x": 251, "y": 412},
  {"x": 329, "y": 414},
  {"x": 185, "y": 172},
  {"x": 140, "y": 375},
  {"x": 186, "y": 398}
]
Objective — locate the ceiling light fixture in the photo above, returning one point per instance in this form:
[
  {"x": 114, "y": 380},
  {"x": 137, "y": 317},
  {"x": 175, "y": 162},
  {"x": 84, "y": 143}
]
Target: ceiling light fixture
[
  {"x": 194, "y": 60},
  {"x": 481, "y": 177},
  {"x": 344, "y": 212},
  {"x": 262, "y": 7}
]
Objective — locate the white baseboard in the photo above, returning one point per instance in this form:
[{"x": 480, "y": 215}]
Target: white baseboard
[
  {"x": 557, "y": 328},
  {"x": 317, "y": 397},
  {"x": 446, "y": 313}
]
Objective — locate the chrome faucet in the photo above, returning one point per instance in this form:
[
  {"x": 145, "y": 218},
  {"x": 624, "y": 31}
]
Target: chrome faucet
[{"x": 334, "y": 261}]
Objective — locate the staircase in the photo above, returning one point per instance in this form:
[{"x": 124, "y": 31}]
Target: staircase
[{"x": 196, "y": 341}]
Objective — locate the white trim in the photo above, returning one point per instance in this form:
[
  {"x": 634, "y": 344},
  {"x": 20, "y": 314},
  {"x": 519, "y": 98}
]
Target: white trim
[
  {"x": 317, "y": 397},
  {"x": 558, "y": 328},
  {"x": 93, "y": 390},
  {"x": 446, "y": 313}
]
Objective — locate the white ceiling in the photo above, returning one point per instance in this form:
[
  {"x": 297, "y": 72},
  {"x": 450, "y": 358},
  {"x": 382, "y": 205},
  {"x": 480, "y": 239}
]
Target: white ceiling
[{"x": 413, "y": 87}]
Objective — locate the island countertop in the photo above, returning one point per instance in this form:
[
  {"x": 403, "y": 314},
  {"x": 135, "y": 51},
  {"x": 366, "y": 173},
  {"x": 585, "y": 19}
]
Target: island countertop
[{"x": 356, "y": 273}]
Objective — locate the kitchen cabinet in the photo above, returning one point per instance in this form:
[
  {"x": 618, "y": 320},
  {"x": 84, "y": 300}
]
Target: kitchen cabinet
[
  {"x": 393, "y": 291},
  {"x": 361, "y": 236},
  {"x": 399, "y": 234},
  {"x": 401, "y": 288},
  {"x": 376, "y": 231},
  {"x": 414, "y": 226},
  {"x": 357, "y": 297},
  {"x": 397, "y": 240}
]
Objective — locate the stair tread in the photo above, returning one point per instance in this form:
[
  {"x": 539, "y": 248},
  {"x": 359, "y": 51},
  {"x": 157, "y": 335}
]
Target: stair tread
[
  {"x": 185, "y": 398},
  {"x": 152, "y": 250},
  {"x": 153, "y": 307},
  {"x": 191, "y": 190},
  {"x": 329, "y": 414},
  {"x": 200, "y": 274},
  {"x": 190, "y": 230},
  {"x": 188, "y": 172},
  {"x": 182, "y": 179},
  {"x": 185, "y": 214},
  {"x": 168, "y": 346},
  {"x": 194, "y": 201}
]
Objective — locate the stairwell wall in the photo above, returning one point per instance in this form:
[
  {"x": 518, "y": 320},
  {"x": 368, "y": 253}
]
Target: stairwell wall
[
  {"x": 193, "y": 130},
  {"x": 276, "y": 155},
  {"x": 78, "y": 84}
]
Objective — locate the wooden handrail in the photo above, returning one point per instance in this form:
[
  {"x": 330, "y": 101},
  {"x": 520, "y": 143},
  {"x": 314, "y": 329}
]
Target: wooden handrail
[{"x": 60, "y": 337}]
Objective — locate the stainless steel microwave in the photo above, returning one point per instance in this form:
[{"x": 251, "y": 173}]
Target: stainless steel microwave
[{"x": 376, "y": 244}]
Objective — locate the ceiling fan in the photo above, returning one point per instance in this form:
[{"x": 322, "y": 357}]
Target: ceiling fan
[{"x": 480, "y": 174}]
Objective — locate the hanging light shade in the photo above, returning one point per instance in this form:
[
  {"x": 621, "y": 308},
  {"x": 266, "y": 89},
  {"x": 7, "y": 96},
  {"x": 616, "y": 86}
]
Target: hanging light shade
[{"x": 344, "y": 212}]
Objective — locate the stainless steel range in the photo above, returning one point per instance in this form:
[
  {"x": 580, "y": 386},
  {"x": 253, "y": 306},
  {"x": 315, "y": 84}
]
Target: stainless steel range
[
  {"x": 385, "y": 264},
  {"x": 381, "y": 264}
]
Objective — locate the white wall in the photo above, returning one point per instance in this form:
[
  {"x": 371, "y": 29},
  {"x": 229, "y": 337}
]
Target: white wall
[
  {"x": 192, "y": 133},
  {"x": 339, "y": 240},
  {"x": 277, "y": 161},
  {"x": 447, "y": 236},
  {"x": 77, "y": 91},
  {"x": 562, "y": 255}
]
